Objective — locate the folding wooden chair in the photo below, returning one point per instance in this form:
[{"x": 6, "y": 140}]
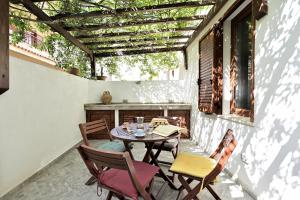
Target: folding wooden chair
[
  {"x": 99, "y": 130},
  {"x": 171, "y": 145},
  {"x": 119, "y": 174},
  {"x": 191, "y": 167}
]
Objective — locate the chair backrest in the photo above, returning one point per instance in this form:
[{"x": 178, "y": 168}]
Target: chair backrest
[
  {"x": 224, "y": 142},
  {"x": 98, "y": 128},
  {"x": 97, "y": 160},
  {"x": 225, "y": 150},
  {"x": 172, "y": 120}
]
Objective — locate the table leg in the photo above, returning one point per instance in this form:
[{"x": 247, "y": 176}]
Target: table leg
[
  {"x": 127, "y": 146},
  {"x": 149, "y": 147},
  {"x": 149, "y": 154},
  {"x": 161, "y": 172}
]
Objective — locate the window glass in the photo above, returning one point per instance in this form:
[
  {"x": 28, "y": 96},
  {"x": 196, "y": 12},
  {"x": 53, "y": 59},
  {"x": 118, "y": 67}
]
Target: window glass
[{"x": 243, "y": 52}]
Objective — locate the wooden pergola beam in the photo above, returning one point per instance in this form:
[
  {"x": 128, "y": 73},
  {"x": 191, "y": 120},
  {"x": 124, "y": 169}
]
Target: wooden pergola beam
[
  {"x": 121, "y": 11},
  {"x": 136, "y": 33},
  {"x": 203, "y": 24},
  {"x": 134, "y": 52},
  {"x": 132, "y": 23},
  {"x": 30, "y": 6},
  {"x": 135, "y": 40},
  {"x": 138, "y": 46},
  {"x": 4, "y": 46},
  {"x": 34, "y": 1}
]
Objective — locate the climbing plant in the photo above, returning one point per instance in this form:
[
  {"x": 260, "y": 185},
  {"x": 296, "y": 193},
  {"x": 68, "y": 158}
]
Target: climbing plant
[{"x": 67, "y": 55}]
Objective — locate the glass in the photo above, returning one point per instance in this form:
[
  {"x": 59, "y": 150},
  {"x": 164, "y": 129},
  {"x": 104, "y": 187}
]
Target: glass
[
  {"x": 140, "y": 122},
  {"x": 130, "y": 128},
  {"x": 150, "y": 129},
  {"x": 244, "y": 58}
]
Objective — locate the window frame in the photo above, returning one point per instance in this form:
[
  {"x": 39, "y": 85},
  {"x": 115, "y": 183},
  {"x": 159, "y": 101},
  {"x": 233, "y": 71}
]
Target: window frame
[{"x": 233, "y": 109}]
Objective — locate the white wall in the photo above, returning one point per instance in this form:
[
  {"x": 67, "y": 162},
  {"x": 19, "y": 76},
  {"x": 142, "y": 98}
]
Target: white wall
[
  {"x": 39, "y": 118},
  {"x": 272, "y": 143},
  {"x": 142, "y": 91},
  {"x": 40, "y": 113}
]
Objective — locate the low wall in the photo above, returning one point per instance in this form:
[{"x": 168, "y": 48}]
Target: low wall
[
  {"x": 39, "y": 118},
  {"x": 140, "y": 91},
  {"x": 43, "y": 107}
]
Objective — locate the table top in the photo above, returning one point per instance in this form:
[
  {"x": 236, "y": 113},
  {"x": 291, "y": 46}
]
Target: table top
[{"x": 122, "y": 134}]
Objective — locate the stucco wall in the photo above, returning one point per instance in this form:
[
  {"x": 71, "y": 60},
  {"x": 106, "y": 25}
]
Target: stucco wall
[
  {"x": 271, "y": 145},
  {"x": 142, "y": 91},
  {"x": 40, "y": 113},
  {"x": 39, "y": 118}
]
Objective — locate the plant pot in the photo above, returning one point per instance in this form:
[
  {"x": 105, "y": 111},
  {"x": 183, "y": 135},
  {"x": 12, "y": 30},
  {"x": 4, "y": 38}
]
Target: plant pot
[
  {"x": 101, "y": 77},
  {"x": 74, "y": 71}
]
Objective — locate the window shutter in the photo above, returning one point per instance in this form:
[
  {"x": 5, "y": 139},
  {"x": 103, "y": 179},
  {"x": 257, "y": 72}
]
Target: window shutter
[{"x": 210, "y": 71}]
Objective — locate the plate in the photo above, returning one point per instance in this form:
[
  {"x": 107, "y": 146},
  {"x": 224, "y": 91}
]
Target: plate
[{"x": 139, "y": 134}]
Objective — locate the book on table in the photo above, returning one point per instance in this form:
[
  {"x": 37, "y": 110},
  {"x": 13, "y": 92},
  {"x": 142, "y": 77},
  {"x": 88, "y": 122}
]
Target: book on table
[{"x": 166, "y": 130}]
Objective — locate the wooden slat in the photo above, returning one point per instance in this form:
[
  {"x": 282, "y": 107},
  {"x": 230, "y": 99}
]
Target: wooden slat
[
  {"x": 95, "y": 130},
  {"x": 4, "y": 46},
  {"x": 121, "y": 11},
  {"x": 135, "y": 33},
  {"x": 98, "y": 125},
  {"x": 169, "y": 44},
  {"x": 206, "y": 61},
  {"x": 94, "y": 122},
  {"x": 132, "y": 23},
  {"x": 110, "y": 42},
  {"x": 134, "y": 52}
]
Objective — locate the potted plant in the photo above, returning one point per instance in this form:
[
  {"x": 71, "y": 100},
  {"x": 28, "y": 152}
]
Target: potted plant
[{"x": 74, "y": 71}]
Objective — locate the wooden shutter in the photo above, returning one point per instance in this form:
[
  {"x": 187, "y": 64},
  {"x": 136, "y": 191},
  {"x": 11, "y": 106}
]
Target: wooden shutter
[
  {"x": 210, "y": 71},
  {"x": 260, "y": 8},
  {"x": 4, "y": 48}
]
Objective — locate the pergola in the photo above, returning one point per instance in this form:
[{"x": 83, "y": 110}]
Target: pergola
[{"x": 163, "y": 31}]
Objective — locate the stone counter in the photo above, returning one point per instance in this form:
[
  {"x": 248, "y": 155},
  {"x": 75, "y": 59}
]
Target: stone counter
[{"x": 138, "y": 106}]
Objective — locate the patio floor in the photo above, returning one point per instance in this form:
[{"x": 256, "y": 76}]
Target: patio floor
[{"x": 64, "y": 180}]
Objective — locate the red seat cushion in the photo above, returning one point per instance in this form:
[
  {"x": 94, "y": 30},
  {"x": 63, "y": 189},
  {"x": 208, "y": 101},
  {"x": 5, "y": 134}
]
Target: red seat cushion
[{"x": 120, "y": 181}]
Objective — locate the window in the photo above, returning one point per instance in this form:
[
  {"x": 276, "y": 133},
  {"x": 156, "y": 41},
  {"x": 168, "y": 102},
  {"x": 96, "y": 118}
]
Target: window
[
  {"x": 210, "y": 71},
  {"x": 241, "y": 72}
]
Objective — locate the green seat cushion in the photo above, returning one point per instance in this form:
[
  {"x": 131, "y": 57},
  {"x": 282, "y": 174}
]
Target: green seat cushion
[{"x": 116, "y": 146}]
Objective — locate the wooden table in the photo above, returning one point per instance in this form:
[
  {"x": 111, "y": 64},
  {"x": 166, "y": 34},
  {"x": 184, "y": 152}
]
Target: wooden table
[{"x": 149, "y": 140}]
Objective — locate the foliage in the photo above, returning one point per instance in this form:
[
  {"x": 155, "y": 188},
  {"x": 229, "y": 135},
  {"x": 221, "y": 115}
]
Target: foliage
[{"x": 67, "y": 55}]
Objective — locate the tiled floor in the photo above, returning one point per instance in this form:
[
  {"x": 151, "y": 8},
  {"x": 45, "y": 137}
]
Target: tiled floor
[{"x": 64, "y": 180}]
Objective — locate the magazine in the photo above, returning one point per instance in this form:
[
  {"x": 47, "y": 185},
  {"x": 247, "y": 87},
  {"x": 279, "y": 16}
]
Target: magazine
[{"x": 166, "y": 130}]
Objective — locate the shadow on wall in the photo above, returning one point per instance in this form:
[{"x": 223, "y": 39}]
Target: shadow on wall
[
  {"x": 272, "y": 146},
  {"x": 160, "y": 91},
  {"x": 275, "y": 146}
]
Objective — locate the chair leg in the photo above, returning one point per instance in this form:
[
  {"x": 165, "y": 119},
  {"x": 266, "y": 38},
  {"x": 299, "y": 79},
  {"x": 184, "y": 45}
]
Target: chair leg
[
  {"x": 192, "y": 193},
  {"x": 91, "y": 181},
  {"x": 213, "y": 192},
  {"x": 179, "y": 192},
  {"x": 158, "y": 152},
  {"x": 109, "y": 196}
]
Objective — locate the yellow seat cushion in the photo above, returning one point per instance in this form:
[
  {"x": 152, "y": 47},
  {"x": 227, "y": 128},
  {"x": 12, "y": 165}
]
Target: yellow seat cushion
[{"x": 193, "y": 165}]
